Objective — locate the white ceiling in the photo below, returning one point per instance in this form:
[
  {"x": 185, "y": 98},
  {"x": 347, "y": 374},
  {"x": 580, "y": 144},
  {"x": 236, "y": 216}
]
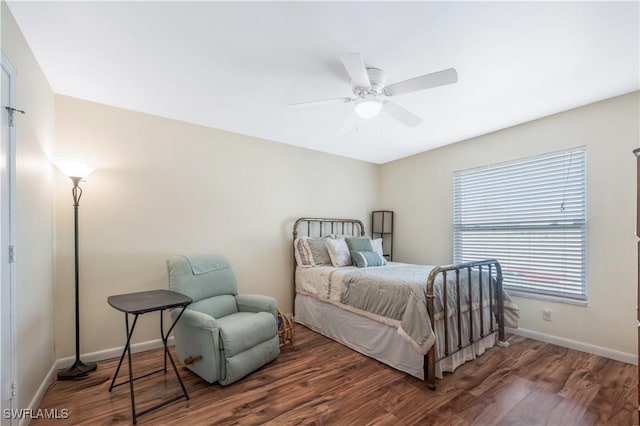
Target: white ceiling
[{"x": 237, "y": 65}]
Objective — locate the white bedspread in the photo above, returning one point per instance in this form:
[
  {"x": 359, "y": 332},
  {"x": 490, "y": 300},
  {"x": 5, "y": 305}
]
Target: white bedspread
[{"x": 326, "y": 283}]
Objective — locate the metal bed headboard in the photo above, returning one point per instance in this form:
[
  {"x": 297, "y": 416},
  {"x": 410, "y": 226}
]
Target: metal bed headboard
[{"x": 319, "y": 227}]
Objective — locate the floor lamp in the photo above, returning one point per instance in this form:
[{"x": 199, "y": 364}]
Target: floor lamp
[{"x": 76, "y": 170}]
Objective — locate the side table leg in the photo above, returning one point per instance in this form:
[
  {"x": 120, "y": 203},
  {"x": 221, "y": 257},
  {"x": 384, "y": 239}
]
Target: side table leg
[
  {"x": 165, "y": 338},
  {"x": 173, "y": 364},
  {"x": 128, "y": 350},
  {"x": 124, "y": 351}
]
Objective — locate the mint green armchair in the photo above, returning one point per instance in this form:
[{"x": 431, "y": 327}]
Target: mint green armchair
[{"x": 222, "y": 336}]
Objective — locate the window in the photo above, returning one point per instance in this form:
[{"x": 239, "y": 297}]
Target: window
[{"x": 530, "y": 215}]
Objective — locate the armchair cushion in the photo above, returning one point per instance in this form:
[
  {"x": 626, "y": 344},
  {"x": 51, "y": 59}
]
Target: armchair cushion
[{"x": 217, "y": 306}]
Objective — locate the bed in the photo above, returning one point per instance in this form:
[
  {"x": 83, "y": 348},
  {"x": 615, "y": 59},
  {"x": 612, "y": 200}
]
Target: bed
[{"x": 420, "y": 319}]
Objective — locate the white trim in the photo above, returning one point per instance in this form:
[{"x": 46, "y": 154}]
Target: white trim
[
  {"x": 42, "y": 390},
  {"x": 11, "y": 238},
  {"x": 628, "y": 358},
  {"x": 112, "y": 352}
]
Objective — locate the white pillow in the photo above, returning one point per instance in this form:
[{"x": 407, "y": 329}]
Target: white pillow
[
  {"x": 338, "y": 252},
  {"x": 376, "y": 245}
]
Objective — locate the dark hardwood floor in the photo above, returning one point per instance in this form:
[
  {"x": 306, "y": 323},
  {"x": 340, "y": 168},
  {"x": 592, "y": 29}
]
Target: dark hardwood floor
[{"x": 321, "y": 382}]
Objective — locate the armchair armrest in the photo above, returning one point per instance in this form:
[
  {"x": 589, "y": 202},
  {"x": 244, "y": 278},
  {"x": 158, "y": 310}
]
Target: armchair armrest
[
  {"x": 197, "y": 343},
  {"x": 257, "y": 303},
  {"x": 196, "y": 319}
]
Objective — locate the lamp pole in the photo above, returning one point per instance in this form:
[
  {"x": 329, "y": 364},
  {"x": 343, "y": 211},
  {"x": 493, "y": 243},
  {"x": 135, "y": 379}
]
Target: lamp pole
[{"x": 79, "y": 368}]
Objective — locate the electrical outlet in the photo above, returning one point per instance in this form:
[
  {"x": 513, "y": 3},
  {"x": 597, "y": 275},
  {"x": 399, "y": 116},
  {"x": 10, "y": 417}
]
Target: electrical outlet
[{"x": 546, "y": 314}]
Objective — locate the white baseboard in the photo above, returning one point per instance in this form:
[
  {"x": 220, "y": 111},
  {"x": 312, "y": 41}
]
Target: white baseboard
[
  {"x": 37, "y": 398},
  {"x": 92, "y": 356},
  {"x": 573, "y": 344},
  {"x": 112, "y": 352}
]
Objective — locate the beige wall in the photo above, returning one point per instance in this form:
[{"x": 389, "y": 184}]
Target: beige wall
[
  {"x": 419, "y": 189},
  {"x": 165, "y": 187},
  {"x": 34, "y": 211}
]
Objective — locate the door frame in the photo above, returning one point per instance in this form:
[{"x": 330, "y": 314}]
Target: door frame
[{"x": 9, "y": 240}]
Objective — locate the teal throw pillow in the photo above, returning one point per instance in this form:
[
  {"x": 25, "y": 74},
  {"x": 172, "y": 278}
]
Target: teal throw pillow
[
  {"x": 362, "y": 259},
  {"x": 359, "y": 243}
]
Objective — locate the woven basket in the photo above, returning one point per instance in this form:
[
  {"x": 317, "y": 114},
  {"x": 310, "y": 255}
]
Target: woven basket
[{"x": 285, "y": 330}]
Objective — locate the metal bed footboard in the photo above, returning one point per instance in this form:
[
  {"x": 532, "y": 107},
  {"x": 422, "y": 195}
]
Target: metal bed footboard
[{"x": 496, "y": 310}]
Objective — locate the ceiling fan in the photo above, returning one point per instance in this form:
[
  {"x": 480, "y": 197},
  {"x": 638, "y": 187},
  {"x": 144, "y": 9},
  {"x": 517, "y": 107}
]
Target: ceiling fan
[{"x": 369, "y": 89}]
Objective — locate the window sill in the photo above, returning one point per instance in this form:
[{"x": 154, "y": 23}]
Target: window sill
[{"x": 547, "y": 298}]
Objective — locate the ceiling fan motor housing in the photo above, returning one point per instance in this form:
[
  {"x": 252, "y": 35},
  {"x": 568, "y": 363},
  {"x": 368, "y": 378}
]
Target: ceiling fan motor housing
[{"x": 377, "y": 78}]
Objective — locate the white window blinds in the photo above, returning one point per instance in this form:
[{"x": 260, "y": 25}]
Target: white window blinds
[{"x": 530, "y": 215}]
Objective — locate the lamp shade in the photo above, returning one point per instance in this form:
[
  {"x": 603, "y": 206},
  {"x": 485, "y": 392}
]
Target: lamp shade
[
  {"x": 72, "y": 167},
  {"x": 367, "y": 107}
]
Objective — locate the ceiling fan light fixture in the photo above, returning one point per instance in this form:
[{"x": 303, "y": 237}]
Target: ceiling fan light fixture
[{"x": 367, "y": 107}]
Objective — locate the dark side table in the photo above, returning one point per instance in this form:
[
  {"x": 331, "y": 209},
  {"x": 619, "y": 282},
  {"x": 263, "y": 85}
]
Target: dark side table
[{"x": 137, "y": 304}]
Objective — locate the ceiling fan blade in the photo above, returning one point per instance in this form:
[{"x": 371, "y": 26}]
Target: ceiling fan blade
[
  {"x": 427, "y": 81},
  {"x": 356, "y": 69},
  {"x": 404, "y": 116},
  {"x": 347, "y": 124},
  {"x": 320, "y": 102}
]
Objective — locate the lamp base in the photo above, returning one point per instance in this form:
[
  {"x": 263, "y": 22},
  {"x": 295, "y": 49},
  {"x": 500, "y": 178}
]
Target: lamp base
[{"x": 77, "y": 370}]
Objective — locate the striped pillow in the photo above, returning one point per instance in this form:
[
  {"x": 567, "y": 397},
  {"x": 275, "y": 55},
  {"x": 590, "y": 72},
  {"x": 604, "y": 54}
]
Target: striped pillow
[
  {"x": 362, "y": 259},
  {"x": 318, "y": 249},
  {"x": 302, "y": 253}
]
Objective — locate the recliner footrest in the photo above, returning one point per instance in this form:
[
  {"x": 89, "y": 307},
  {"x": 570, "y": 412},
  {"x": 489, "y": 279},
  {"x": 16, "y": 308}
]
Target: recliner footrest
[
  {"x": 243, "y": 330},
  {"x": 250, "y": 360}
]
